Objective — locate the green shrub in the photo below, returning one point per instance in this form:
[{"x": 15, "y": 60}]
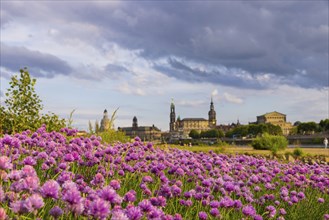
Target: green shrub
[
  {"x": 270, "y": 142},
  {"x": 298, "y": 152}
]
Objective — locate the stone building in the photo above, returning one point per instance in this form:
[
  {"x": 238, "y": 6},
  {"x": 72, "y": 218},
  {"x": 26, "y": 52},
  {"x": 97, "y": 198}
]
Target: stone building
[
  {"x": 105, "y": 122},
  {"x": 276, "y": 118},
  {"x": 182, "y": 127},
  {"x": 146, "y": 133}
]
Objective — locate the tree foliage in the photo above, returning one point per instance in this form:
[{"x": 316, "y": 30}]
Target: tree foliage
[
  {"x": 324, "y": 125},
  {"x": 22, "y": 110},
  {"x": 194, "y": 134},
  {"x": 254, "y": 130},
  {"x": 307, "y": 127},
  {"x": 213, "y": 133}
]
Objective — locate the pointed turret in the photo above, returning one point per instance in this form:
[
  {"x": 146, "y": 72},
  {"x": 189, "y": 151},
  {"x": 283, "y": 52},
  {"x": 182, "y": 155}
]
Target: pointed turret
[
  {"x": 172, "y": 116},
  {"x": 135, "y": 123},
  {"x": 212, "y": 115}
]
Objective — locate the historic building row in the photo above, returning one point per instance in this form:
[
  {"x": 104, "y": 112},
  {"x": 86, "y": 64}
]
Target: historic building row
[{"x": 180, "y": 128}]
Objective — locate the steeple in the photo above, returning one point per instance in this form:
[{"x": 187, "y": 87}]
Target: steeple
[
  {"x": 172, "y": 116},
  {"x": 212, "y": 115}
]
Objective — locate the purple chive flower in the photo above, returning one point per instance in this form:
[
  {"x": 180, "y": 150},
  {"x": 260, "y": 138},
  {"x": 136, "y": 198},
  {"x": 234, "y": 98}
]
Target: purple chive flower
[
  {"x": 28, "y": 170},
  {"x": 72, "y": 196},
  {"x": 68, "y": 157},
  {"x": 326, "y": 217},
  {"x": 188, "y": 203},
  {"x": 214, "y": 204},
  {"x": 119, "y": 215},
  {"x": 50, "y": 189},
  {"x": 177, "y": 217},
  {"x": 258, "y": 217},
  {"x": 214, "y": 212},
  {"x": 99, "y": 208},
  {"x": 226, "y": 202},
  {"x": 29, "y": 161},
  {"x": 229, "y": 186},
  {"x": 31, "y": 183},
  {"x": 271, "y": 210},
  {"x": 249, "y": 210},
  {"x": 22, "y": 206},
  {"x": 121, "y": 173},
  {"x": 155, "y": 213},
  {"x": 147, "y": 179},
  {"x": 203, "y": 215},
  {"x": 115, "y": 184},
  {"x": 294, "y": 199},
  {"x": 98, "y": 180},
  {"x": 282, "y": 211},
  {"x": 62, "y": 166},
  {"x": 56, "y": 212},
  {"x": 176, "y": 191},
  {"x": 301, "y": 195},
  {"x": 36, "y": 201},
  {"x": 110, "y": 195},
  {"x": 130, "y": 196},
  {"x": 237, "y": 204},
  {"x": 134, "y": 213},
  {"x": 321, "y": 200},
  {"x": 145, "y": 205},
  {"x": 5, "y": 163}
]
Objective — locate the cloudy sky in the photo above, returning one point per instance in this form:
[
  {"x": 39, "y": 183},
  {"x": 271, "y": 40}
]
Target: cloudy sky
[{"x": 253, "y": 57}]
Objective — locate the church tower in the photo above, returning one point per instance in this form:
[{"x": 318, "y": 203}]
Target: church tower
[
  {"x": 172, "y": 123},
  {"x": 212, "y": 115},
  {"x": 105, "y": 122},
  {"x": 135, "y": 124}
]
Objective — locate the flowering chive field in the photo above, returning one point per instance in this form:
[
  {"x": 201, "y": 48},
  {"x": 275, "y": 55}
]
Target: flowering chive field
[{"x": 61, "y": 176}]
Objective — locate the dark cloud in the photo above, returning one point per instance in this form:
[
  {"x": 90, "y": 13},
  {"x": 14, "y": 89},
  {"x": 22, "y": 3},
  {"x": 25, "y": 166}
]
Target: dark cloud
[
  {"x": 288, "y": 39},
  {"x": 39, "y": 64},
  {"x": 235, "y": 77}
]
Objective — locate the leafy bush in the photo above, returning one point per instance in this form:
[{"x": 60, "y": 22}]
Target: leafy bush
[
  {"x": 298, "y": 152},
  {"x": 270, "y": 142}
]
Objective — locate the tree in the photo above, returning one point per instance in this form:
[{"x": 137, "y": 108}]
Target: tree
[
  {"x": 194, "y": 134},
  {"x": 213, "y": 133},
  {"x": 23, "y": 104},
  {"x": 307, "y": 127},
  {"x": 324, "y": 125},
  {"x": 23, "y": 107}
]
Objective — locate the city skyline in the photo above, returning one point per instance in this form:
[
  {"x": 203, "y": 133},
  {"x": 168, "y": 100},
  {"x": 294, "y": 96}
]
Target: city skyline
[{"x": 251, "y": 57}]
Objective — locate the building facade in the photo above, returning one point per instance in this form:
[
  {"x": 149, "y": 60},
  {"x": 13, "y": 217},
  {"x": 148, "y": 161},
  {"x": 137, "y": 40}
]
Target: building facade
[
  {"x": 145, "y": 133},
  {"x": 276, "y": 118},
  {"x": 182, "y": 127}
]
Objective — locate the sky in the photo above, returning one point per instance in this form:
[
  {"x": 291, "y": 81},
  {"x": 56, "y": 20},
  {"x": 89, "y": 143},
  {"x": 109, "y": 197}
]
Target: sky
[{"x": 252, "y": 57}]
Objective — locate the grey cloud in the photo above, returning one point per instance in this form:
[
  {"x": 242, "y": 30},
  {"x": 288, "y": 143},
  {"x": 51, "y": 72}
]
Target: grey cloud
[
  {"x": 228, "y": 77},
  {"x": 270, "y": 37},
  {"x": 39, "y": 64}
]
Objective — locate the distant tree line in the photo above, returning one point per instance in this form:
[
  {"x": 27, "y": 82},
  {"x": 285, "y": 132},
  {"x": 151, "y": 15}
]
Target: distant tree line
[
  {"x": 254, "y": 130},
  {"x": 311, "y": 127},
  {"x": 213, "y": 133}
]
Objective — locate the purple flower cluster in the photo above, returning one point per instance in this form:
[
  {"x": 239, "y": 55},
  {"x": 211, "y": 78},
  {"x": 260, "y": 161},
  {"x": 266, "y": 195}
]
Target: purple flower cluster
[{"x": 83, "y": 177}]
